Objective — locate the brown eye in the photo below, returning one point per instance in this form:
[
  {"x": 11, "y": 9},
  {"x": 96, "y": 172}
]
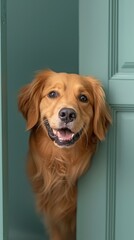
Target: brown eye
[
  {"x": 53, "y": 94},
  {"x": 83, "y": 98}
]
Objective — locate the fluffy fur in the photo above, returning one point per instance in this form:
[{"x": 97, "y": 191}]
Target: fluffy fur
[{"x": 61, "y": 145}]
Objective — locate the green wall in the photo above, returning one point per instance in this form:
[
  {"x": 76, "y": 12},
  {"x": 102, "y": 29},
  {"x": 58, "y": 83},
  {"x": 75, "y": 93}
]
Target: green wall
[{"x": 40, "y": 34}]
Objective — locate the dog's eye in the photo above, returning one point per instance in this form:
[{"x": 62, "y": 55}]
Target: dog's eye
[
  {"x": 53, "y": 94},
  {"x": 83, "y": 98}
]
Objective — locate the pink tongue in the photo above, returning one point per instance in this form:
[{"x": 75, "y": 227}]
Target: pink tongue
[{"x": 64, "y": 135}]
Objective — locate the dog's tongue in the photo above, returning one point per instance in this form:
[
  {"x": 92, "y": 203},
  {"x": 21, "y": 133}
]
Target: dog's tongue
[{"x": 64, "y": 134}]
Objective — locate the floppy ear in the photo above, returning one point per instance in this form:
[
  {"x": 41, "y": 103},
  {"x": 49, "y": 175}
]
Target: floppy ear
[
  {"x": 102, "y": 116},
  {"x": 30, "y": 97}
]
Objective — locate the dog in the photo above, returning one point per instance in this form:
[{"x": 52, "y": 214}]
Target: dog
[{"x": 67, "y": 116}]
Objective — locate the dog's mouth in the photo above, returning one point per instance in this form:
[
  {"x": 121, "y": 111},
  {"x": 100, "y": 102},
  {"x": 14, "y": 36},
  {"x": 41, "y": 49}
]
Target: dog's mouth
[{"x": 62, "y": 136}]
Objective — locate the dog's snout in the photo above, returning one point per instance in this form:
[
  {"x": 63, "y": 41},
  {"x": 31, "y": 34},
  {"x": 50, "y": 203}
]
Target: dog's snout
[{"x": 67, "y": 115}]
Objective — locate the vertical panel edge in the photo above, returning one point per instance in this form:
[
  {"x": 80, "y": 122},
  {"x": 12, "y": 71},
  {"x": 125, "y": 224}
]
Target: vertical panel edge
[
  {"x": 4, "y": 151},
  {"x": 113, "y": 37},
  {"x": 111, "y": 180}
]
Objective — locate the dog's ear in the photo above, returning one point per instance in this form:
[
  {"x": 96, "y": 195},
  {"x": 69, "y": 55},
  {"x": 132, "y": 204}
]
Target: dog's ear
[
  {"x": 30, "y": 97},
  {"x": 102, "y": 117}
]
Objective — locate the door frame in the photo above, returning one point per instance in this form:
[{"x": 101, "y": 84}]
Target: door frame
[{"x": 3, "y": 127}]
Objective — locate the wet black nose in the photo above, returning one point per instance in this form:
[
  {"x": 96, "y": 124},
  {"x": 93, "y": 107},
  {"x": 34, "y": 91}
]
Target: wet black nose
[{"x": 67, "y": 115}]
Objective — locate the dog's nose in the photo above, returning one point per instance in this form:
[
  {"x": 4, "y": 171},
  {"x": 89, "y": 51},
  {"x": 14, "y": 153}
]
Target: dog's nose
[{"x": 67, "y": 115}]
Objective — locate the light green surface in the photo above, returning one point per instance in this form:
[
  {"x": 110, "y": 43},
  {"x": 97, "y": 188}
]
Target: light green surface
[
  {"x": 93, "y": 60},
  {"x": 106, "y": 193},
  {"x": 124, "y": 211},
  {"x": 1, "y": 174}
]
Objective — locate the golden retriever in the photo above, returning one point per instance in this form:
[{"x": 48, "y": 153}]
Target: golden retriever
[{"x": 67, "y": 115}]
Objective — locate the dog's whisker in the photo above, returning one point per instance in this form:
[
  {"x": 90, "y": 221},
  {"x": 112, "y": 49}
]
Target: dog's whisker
[
  {"x": 40, "y": 125},
  {"x": 86, "y": 135}
]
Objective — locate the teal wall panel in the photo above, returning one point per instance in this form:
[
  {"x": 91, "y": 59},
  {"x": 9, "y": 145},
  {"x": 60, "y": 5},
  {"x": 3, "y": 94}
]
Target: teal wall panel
[
  {"x": 1, "y": 181},
  {"x": 93, "y": 60},
  {"x": 124, "y": 210},
  {"x": 126, "y": 19},
  {"x": 40, "y": 34},
  {"x": 91, "y": 211},
  {"x": 1, "y": 165},
  {"x": 1, "y": 173},
  {"x": 105, "y": 206},
  {"x": 93, "y": 38}
]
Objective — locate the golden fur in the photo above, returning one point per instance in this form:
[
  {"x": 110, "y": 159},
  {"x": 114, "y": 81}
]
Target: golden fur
[{"x": 54, "y": 168}]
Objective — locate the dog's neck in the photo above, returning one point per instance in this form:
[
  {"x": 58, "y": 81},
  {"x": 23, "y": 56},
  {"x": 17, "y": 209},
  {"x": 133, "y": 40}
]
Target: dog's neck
[{"x": 60, "y": 163}]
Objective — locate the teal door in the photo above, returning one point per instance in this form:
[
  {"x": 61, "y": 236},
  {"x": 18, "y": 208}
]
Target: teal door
[
  {"x": 34, "y": 35},
  {"x": 106, "y": 192}
]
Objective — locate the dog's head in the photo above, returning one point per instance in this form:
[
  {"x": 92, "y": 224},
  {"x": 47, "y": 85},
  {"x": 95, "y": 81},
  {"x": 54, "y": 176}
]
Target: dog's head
[{"x": 65, "y": 106}]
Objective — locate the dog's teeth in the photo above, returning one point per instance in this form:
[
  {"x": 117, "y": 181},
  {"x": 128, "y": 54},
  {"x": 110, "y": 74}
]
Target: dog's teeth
[
  {"x": 63, "y": 135},
  {"x": 60, "y": 139},
  {"x": 55, "y": 132}
]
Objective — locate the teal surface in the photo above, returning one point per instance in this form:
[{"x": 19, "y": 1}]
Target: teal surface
[
  {"x": 93, "y": 60},
  {"x": 1, "y": 173},
  {"x": 124, "y": 211},
  {"x": 40, "y": 34},
  {"x": 106, "y": 192}
]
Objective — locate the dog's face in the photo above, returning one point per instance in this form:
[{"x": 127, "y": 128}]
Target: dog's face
[{"x": 66, "y": 106}]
